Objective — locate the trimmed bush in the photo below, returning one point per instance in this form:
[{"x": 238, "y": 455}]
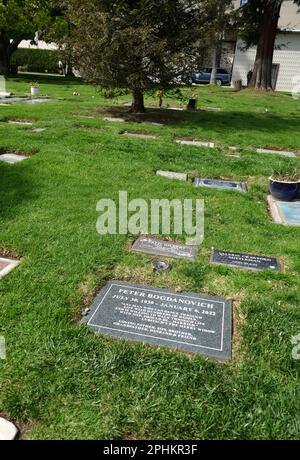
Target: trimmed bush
[{"x": 36, "y": 60}]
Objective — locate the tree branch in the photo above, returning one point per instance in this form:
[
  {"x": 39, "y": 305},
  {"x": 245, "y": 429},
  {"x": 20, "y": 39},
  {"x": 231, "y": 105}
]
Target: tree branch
[{"x": 14, "y": 45}]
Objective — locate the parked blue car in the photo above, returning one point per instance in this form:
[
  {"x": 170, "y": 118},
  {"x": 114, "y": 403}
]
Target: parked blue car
[{"x": 203, "y": 76}]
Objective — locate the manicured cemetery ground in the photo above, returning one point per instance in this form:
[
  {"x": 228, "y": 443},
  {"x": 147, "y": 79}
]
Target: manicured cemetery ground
[{"x": 59, "y": 380}]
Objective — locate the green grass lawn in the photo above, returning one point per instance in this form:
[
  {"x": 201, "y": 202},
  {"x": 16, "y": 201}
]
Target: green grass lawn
[{"x": 60, "y": 381}]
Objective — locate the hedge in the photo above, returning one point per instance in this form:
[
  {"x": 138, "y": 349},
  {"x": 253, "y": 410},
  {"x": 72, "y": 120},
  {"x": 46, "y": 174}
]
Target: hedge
[{"x": 33, "y": 60}]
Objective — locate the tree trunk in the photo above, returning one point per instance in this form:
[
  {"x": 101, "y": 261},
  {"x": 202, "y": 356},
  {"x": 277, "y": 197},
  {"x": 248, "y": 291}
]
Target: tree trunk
[
  {"x": 216, "y": 60},
  {"x": 213, "y": 79},
  {"x": 138, "y": 101},
  {"x": 4, "y": 53},
  {"x": 7, "y": 48},
  {"x": 262, "y": 72}
]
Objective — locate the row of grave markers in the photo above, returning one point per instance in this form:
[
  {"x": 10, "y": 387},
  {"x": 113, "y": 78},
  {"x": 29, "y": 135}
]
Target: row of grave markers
[
  {"x": 195, "y": 143},
  {"x": 282, "y": 212},
  {"x": 187, "y": 321}
]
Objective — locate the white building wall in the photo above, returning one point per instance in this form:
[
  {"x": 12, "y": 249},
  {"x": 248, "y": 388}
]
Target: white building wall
[
  {"x": 289, "y": 14},
  {"x": 40, "y": 45},
  {"x": 287, "y": 54}
]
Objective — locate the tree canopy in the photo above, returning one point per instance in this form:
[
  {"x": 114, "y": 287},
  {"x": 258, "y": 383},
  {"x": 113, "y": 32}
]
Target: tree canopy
[
  {"x": 135, "y": 44},
  {"x": 257, "y": 22},
  {"x": 22, "y": 20}
]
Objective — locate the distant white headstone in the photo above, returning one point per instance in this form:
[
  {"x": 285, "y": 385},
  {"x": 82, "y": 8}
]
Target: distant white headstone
[
  {"x": 3, "y": 92},
  {"x": 2, "y": 84}
]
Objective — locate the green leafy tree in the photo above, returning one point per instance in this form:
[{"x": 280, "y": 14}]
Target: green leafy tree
[
  {"x": 258, "y": 24},
  {"x": 22, "y": 20},
  {"x": 139, "y": 45}
]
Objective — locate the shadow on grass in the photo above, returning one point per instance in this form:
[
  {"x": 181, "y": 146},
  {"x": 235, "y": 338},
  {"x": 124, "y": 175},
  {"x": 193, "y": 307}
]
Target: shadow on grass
[
  {"x": 47, "y": 79},
  {"x": 216, "y": 121},
  {"x": 15, "y": 188}
]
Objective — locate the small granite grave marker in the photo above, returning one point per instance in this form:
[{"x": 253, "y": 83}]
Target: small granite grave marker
[
  {"x": 114, "y": 119},
  {"x": 187, "y": 321},
  {"x": 16, "y": 122},
  {"x": 16, "y": 99},
  {"x": 179, "y": 109},
  {"x": 172, "y": 175},
  {"x": 153, "y": 123},
  {"x": 12, "y": 158},
  {"x": 139, "y": 135},
  {"x": 162, "y": 248},
  {"x": 211, "y": 145},
  {"x": 242, "y": 260},
  {"x": 39, "y": 130},
  {"x": 214, "y": 109},
  {"x": 220, "y": 184},
  {"x": 38, "y": 100},
  {"x": 278, "y": 152}
]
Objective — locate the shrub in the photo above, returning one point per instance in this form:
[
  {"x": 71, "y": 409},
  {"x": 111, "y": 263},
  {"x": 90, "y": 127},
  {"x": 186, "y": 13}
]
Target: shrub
[{"x": 36, "y": 60}]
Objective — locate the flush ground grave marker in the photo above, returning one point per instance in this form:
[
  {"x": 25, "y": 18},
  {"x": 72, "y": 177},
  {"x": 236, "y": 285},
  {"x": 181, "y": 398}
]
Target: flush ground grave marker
[
  {"x": 190, "y": 322},
  {"x": 12, "y": 158},
  {"x": 16, "y": 122},
  {"x": 210, "y": 145},
  {"x": 242, "y": 260},
  {"x": 139, "y": 135},
  {"x": 38, "y": 100},
  {"x": 220, "y": 184},
  {"x": 277, "y": 152},
  {"x": 172, "y": 175},
  {"x": 114, "y": 119},
  {"x": 39, "y": 130},
  {"x": 162, "y": 248}
]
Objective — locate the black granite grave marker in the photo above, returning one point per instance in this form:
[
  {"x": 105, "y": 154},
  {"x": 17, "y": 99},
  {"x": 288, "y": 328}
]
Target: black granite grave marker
[
  {"x": 191, "y": 322},
  {"x": 248, "y": 261}
]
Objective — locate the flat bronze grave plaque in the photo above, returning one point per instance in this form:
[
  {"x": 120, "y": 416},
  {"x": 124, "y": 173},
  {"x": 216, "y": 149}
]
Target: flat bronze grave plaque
[{"x": 187, "y": 321}]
